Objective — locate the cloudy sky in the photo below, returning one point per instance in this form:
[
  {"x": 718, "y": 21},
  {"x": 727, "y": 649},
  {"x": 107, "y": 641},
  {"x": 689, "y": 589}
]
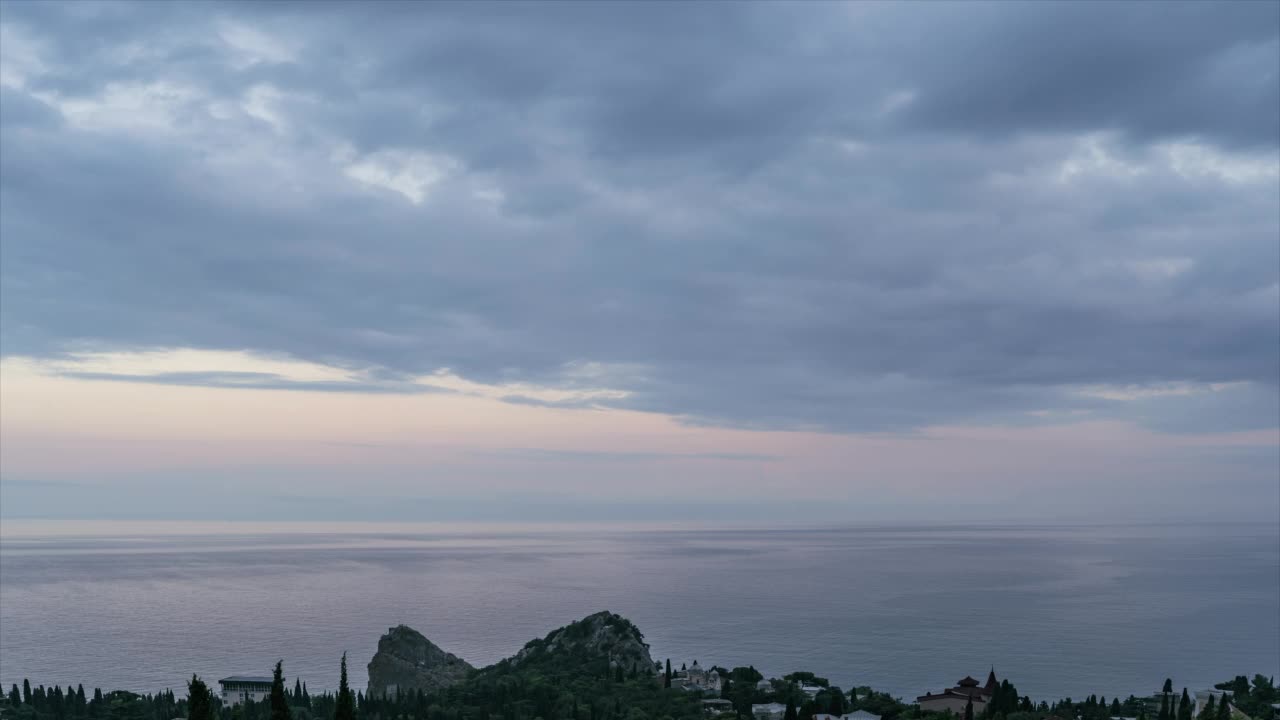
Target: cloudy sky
[{"x": 801, "y": 261}]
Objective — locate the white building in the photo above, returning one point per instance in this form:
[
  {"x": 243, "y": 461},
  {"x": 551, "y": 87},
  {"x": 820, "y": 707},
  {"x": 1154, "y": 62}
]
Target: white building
[
  {"x": 769, "y": 711},
  {"x": 1202, "y": 698},
  {"x": 695, "y": 678},
  {"x": 855, "y": 715},
  {"x": 238, "y": 688}
]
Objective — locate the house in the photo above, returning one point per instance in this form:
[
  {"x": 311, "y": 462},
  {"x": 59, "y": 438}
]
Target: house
[
  {"x": 811, "y": 690},
  {"x": 955, "y": 699},
  {"x": 716, "y": 706},
  {"x": 856, "y": 715},
  {"x": 695, "y": 678},
  {"x": 1202, "y": 699},
  {"x": 769, "y": 711},
  {"x": 239, "y": 688}
]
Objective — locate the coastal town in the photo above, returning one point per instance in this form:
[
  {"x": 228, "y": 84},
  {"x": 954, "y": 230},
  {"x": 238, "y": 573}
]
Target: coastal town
[
  {"x": 600, "y": 668},
  {"x": 968, "y": 699}
]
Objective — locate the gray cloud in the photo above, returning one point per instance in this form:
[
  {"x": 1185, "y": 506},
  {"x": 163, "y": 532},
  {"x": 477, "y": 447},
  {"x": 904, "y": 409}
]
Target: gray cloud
[
  {"x": 852, "y": 218},
  {"x": 543, "y": 454},
  {"x": 260, "y": 381}
]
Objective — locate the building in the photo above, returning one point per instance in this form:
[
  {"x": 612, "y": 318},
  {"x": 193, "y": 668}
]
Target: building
[
  {"x": 856, "y": 715},
  {"x": 238, "y": 688},
  {"x": 716, "y": 706},
  {"x": 811, "y": 690},
  {"x": 695, "y": 678},
  {"x": 955, "y": 699},
  {"x": 1202, "y": 698},
  {"x": 769, "y": 711},
  {"x": 765, "y": 685}
]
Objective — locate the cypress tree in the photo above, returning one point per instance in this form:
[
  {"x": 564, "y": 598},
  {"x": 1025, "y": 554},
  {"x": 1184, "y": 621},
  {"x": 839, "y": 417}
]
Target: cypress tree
[
  {"x": 1209, "y": 711},
  {"x": 199, "y": 700},
  {"x": 666, "y": 680},
  {"x": 279, "y": 705},
  {"x": 1168, "y": 686},
  {"x": 1164, "y": 707},
  {"x": 344, "y": 709},
  {"x": 1184, "y": 706},
  {"x": 836, "y": 704},
  {"x": 1224, "y": 709},
  {"x": 968, "y": 709},
  {"x": 26, "y": 691},
  {"x": 15, "y": 697}
]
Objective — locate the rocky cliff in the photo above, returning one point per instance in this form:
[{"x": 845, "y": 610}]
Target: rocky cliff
[
  {"x": 600, "y": 638},
  {"x": 408, "y": 661}
]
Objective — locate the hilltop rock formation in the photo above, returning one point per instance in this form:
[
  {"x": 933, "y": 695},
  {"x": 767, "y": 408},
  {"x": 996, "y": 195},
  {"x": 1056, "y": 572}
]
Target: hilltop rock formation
[
  {"x": 406, "y": 660},
  {"x": 596, "y": 640},
  {"x": 597, "y": 643}
]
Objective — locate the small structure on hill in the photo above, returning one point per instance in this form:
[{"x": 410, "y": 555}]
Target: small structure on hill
[
  {"x": 769, "y": 711},
  {"x": 855, "y": 715},
  {"x": 1202, "y": 699},
  {"x": 955, "y": 699},
  {"x": 696, "y": 678},
  {"x": 239, "y": 688},
  {"x": 713, "y": 706}
]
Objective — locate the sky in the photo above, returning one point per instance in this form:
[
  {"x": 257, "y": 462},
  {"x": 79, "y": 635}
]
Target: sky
[{"x": 796, "y": 262}]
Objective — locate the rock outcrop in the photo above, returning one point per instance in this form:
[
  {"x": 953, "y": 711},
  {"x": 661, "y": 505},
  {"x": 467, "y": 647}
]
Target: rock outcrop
[
  {"x": 602, "y": 637},
  {"x": 406, "y": 660}
]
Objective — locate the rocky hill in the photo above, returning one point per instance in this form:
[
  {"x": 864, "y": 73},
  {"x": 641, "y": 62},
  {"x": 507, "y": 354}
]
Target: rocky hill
[
  {"x": 596, "y": 641},
  {"x": 407, "y": 660},
  {"x": 595, "y": 645}
]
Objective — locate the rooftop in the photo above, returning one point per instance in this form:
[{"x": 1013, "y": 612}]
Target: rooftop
[{"x": 257, "y": 679}]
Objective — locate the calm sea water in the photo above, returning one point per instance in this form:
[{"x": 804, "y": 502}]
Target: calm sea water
[{"x": 1059, "y": 610}]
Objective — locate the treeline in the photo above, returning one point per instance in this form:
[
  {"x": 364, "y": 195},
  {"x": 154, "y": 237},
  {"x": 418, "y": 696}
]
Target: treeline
[{"x": 575, "y": 690}]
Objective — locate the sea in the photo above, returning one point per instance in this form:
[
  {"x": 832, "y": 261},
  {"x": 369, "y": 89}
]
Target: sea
[{"x": 1061, "y": 611}]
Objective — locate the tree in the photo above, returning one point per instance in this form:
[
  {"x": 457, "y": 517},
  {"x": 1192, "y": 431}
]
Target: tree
[
  {"x": 26, "y": 691},
  {"x": 344, "y": 708},
  {"x": 835, "y": 701},
  {"x": 666, "y": 678},
  {"x": 15, "y": 697},
  {"x": 1224, "y": 709},
  {"x": 968, "y": 709},
  {"x": 279, "y": 704},
  {"x": 199, "y": 700},
  {"x": 1168, "y": 686},
  {"x": 791, "y": 711},
  {"x": 1184, "y": 706},
  {"x": 1209, "y": 711},
  {"x": 1164, "y": 707}
]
